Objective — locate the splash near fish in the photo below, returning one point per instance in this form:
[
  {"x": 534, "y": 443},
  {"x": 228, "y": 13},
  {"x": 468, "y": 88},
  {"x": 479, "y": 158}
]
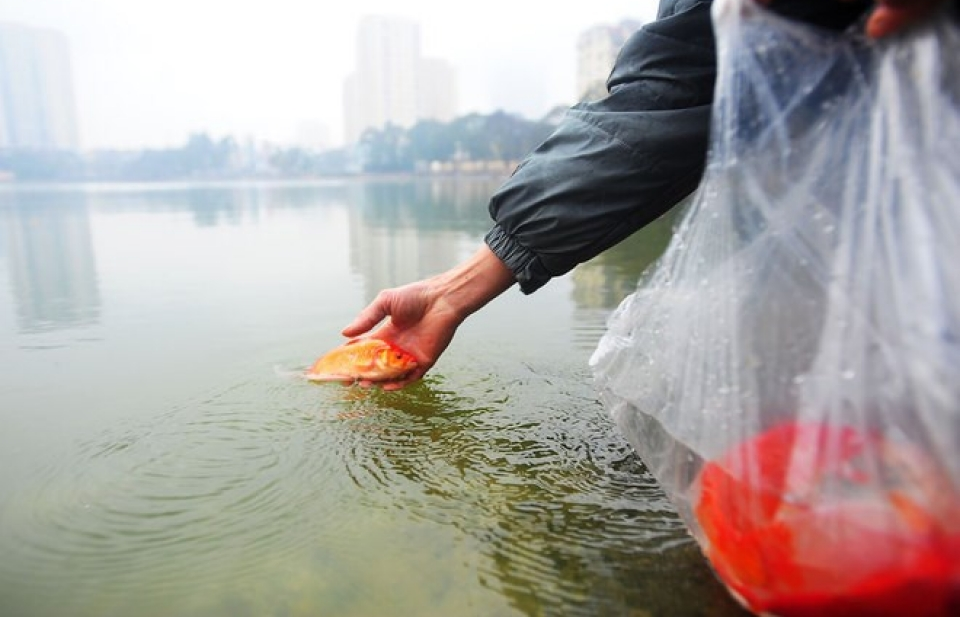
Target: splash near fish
[{"x": 363, "y": 359}]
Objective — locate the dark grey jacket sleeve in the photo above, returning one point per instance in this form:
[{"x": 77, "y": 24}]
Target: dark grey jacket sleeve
[{"x": 614, "y": 165}]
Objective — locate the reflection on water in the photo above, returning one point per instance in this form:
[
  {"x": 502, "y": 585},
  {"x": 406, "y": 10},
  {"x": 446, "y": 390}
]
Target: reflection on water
[
  {"x": 210, "y": 492},
  {"x": 606, "y": 280},
  {"x": 402, "y": 231},
  {"x": 215, "y": 204},
  {"x": 602, "y": 283},
  {"x": 425, "y": 205},
  {"x": 49, "y": 252},
  {"x": 565, "y": 516},
  {"x": 287, "y": 498},
  {"x": 498, "y": 486}
]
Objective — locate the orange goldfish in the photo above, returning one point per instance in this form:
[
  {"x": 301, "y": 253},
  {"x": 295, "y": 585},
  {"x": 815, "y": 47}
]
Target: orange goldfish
[
  {"x": 817, "y": 520},
  {"x": 368, "y": 359}
]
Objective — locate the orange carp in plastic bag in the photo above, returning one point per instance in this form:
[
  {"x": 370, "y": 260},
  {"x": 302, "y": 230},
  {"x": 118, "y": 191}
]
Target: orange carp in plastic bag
[
  {"x": 362, "y": 359},
  {"x": 811, "y": 520}
]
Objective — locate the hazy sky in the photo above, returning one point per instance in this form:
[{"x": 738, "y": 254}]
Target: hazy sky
[{"x": 149, "y": 72}]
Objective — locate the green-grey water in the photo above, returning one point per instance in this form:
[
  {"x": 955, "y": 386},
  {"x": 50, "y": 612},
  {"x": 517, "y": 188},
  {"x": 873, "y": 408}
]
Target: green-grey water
[{"x": 159, "y": 455}]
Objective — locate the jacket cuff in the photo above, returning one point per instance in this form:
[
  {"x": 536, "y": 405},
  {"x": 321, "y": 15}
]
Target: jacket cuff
[{"x": 525, "y": 265}]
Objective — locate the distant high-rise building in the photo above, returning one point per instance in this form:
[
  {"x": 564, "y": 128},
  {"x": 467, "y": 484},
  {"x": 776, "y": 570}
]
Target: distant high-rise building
[
  {"x": 437, "y": 92},
  {"x": 597, "y": 49},
  {"x": 392, "y": 83},
  {"x": 37, "y": 106}
]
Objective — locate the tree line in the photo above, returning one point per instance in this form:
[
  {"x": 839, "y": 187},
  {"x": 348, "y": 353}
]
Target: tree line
[
  {"x": 476, "y": 137},
  {"x": 494, "y": 137}
]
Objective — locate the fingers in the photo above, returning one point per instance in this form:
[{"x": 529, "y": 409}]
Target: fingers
[
  {"x": 404, "y": 305},
  {"x": 411, "y": 320},
  {"x": 368, "y": 317},
  {"x": 414, "y": 376},
  {"x": 891, "y": 16},
  {"x": 390, "y": 386}
]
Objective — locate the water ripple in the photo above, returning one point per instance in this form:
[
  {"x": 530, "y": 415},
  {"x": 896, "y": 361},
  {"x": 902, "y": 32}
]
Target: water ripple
[
  {"x": 207, "y": 491},
  {"x": 548, "y": 504},
  {"x": 541, "y": 480}
]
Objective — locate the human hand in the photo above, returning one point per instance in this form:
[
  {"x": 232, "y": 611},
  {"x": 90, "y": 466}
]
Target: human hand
[
  {"x": 418, "y": 320},
  {"x": 892, "y": 16},
  {"x": 422, "y": 317}
]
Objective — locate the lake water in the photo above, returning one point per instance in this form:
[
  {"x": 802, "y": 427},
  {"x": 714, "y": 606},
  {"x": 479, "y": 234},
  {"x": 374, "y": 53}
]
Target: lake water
[{"x": 159, "y": 455}]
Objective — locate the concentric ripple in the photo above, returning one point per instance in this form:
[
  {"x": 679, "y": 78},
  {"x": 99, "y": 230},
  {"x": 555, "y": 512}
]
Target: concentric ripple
[
  {"x": 208, "y": 492},
  {"x": 534, "y": 471},
  {"x": 275, "y": 489}
]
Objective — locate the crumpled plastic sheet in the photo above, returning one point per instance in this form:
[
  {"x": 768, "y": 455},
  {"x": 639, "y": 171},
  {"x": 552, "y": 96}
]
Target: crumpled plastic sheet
[{"x": 789, "y": 370}]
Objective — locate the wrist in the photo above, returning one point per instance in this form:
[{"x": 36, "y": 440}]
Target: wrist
[{"x": 469, "y": 286}]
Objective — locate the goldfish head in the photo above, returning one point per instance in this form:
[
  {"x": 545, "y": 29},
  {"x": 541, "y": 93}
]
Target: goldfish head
[{"x": 393, "y": 361}]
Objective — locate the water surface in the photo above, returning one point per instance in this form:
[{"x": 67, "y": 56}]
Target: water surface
[{"x": 159, "y": 456}]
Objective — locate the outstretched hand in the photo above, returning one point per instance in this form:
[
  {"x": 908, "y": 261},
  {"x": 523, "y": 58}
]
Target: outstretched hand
[
  {"x": 418, "y": 319},
  {"x": 422, "y": 317}
]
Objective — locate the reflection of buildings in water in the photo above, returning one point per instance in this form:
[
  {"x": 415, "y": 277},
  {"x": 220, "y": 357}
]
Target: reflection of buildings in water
[
  {"x": 449, "y": 204},
  {"x": 464, "y": 202},
  {"x": 598, "y": 286},
  {"x": 597, "y": 290},
  {"x": 402, "y": 232},
  {"x": 214, "y": 204},
  {"x": 211, "y": 205},
  {"x": 391, "y": 256},
  {"x": 52, "y": 268},
  {"x": 606, "y": 280},
  {"x": 602, "y": 283}
]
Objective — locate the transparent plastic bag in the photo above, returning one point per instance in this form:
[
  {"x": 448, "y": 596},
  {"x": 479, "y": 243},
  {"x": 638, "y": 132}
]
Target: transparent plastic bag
[{"x": 790, "y": 369}]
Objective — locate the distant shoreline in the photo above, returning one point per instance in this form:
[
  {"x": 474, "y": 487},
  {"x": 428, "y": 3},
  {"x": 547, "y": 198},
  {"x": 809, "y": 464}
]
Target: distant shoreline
[{"x": 250, "y": 180}]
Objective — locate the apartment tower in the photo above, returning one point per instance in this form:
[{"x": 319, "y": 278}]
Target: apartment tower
[
  {"x": 37, "y": 106},
  {"x": 597, "y": 49},
  {"x": 392, "y": 83}
]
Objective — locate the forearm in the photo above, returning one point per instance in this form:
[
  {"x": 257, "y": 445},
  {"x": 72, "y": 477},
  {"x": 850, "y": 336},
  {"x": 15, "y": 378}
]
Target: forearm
[{"x": 469, "y": 286}]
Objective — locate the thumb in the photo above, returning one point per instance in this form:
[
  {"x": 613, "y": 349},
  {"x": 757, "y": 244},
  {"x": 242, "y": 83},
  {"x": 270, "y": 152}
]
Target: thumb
[{"x": 366, "y": 319}]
